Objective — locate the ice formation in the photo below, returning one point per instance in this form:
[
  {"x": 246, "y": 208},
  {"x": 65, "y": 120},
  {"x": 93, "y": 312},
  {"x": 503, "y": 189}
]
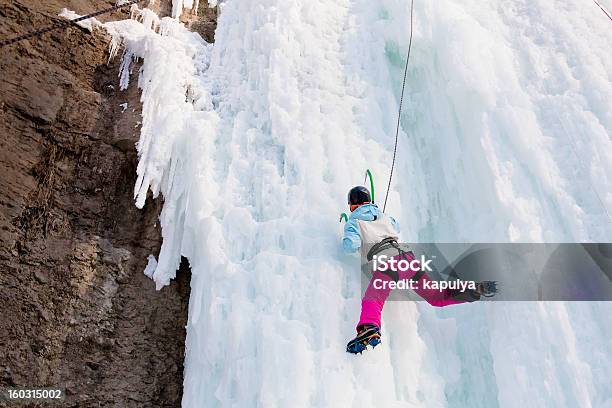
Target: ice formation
[{"x": 253, "y": 143}]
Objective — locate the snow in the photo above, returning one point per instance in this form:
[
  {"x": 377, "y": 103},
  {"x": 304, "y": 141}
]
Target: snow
[
  {"x": 253, "y": 143},
  {"x": 151, "y": 266},
  {"x": 87, "y": 24}
]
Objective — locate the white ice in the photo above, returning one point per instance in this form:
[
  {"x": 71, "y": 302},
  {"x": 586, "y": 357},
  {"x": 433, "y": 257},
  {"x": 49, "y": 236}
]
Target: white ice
[
  {"x": 88, "y": 24},
  {"x": 253, "y": 143},
  {"x": 179, "y": 5}
]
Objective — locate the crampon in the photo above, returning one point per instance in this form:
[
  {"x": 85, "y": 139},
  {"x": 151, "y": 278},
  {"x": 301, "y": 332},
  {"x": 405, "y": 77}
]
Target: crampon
[
  {"x": 487, "y": 288},
  {"x": 368, "y": 335}
]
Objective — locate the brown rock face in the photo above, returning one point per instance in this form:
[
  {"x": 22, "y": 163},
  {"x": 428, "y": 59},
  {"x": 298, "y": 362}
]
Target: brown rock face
[{"x": 76, "y": 309}]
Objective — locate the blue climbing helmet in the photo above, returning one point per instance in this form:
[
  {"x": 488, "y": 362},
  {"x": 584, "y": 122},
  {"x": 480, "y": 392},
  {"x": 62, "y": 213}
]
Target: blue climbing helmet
[{"x": 359, "y": 195}]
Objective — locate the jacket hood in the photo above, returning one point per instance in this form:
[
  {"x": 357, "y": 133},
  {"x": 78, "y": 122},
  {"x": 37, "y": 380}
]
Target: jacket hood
[{"x": 366, "y": 212}]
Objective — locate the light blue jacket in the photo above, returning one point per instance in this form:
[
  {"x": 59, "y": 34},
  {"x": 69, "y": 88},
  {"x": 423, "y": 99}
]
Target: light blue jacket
[{"x": 352, "y": 239}]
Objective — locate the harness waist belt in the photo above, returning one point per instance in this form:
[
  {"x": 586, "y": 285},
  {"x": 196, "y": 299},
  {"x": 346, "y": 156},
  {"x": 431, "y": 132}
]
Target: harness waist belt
[{"x": 381, "y": 246}]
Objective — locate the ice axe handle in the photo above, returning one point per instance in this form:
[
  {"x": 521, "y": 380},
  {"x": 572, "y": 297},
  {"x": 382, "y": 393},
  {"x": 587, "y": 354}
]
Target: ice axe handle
[{"x": 369, "y": 174}]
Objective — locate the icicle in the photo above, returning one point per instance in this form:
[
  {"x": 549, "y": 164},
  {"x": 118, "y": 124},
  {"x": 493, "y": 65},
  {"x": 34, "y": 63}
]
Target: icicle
[
  {"x": 134, "y": 12},
  {"x": 149, "y": 19},
  {"x": 124, "y": 69},
  {"x": 113, "y": 47},
  {"x": 177, "y": 8}
]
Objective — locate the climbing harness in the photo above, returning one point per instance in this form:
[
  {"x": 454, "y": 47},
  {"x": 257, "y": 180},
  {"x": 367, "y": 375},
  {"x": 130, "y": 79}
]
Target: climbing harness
[
  {"x": 399, "y": 115},
  {"x": 391, "y": 243},
  {"x": 383, "y": 245},
  {"x": 63, "y": 24}
]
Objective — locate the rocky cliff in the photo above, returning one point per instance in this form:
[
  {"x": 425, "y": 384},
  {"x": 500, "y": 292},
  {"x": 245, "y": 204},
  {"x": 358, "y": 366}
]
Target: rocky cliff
[{"x": 77, "y": 311}]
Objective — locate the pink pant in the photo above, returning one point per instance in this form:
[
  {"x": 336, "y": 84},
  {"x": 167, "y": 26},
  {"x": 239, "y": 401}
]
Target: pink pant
[{"x": 374, "y": 299}]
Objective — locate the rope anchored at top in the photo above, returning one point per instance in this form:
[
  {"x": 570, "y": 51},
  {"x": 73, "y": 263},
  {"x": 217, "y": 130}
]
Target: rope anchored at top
[
  {"x": 63, "y": 24},
  {"x": 399, "y": 115}
]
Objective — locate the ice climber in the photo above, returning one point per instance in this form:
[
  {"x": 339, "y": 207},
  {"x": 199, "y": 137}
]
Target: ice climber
[{"x": 368, "y": 229}]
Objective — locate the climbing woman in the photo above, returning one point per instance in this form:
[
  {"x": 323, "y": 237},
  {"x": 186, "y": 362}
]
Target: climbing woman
[{"x": 368, "y": 229}]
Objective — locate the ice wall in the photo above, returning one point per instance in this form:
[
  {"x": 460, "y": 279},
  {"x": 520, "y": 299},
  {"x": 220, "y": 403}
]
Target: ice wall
[{"x": 254, "y": 141}]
